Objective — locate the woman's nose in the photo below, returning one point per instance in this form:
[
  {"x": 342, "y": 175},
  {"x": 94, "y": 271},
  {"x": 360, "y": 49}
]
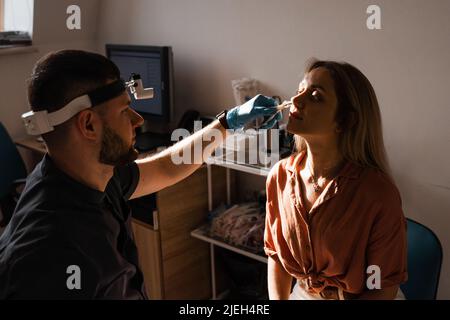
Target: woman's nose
[{"x": 298, "y": 100}]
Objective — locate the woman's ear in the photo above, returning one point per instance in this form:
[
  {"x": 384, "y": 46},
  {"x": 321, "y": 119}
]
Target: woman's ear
[{"x": 347, "y": 123}]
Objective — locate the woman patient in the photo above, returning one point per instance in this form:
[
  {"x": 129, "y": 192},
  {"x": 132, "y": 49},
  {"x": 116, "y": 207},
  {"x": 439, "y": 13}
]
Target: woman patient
[{"x": 334, "y": 219}]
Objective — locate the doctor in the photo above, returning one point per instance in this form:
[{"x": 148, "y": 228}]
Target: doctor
[{"x": 72, "y": 217}]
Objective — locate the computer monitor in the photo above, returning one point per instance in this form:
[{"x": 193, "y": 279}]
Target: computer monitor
[{"x": 154, "y": 64}]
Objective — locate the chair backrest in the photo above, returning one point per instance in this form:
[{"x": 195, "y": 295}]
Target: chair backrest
[
  {"x": 424, "y": 262},
  {"x": 11, "y": 163}
]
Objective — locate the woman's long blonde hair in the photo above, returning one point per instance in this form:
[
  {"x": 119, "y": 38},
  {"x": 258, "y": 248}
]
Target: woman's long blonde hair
[{"x": 358, "y": 116}]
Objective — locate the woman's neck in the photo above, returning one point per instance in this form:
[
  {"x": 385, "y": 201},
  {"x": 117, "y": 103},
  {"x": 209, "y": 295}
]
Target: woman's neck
[{"x": 323, "y": 159}]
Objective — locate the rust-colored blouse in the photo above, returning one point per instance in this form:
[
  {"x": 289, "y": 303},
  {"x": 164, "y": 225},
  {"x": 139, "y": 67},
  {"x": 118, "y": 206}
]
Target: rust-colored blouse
[{"x": 356, "y": 222}]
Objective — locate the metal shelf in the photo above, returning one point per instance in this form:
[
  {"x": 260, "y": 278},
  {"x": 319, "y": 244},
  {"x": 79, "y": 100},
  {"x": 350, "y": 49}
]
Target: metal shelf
[
  {"x": 252, "y": 169},
  {"x": 202, "y": 234}
]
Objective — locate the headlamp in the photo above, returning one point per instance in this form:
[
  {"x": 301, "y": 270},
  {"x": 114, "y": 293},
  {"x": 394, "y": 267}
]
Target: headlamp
[{"x": 40, "y": 122}]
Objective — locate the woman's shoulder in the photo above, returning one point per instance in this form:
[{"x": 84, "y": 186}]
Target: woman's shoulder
[
  {"x": 284, "y": 165},
  {"x": 379, "y": 185}
]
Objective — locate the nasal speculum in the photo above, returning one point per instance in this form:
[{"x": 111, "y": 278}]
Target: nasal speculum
[{"x": 279, "y": 108}]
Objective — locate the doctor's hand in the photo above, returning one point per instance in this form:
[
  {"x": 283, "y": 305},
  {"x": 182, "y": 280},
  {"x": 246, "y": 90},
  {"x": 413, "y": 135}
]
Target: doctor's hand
[{"x": 258, "y": 106}]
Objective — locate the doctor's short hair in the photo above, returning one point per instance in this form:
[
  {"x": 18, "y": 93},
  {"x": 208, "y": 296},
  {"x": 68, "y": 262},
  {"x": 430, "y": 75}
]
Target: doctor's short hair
[
  {"x": 358, "y": 116},
  {"x": 61, "y": 76}
]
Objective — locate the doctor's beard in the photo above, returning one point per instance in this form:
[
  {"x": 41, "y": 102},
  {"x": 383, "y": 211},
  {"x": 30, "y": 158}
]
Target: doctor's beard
[{"x": 114, "y": 150}]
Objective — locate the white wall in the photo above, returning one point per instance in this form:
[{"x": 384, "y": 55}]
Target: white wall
[{"x": 407, "y": 63}]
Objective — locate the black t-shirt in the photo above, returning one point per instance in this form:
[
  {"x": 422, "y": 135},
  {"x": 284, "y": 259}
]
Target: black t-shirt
[{"x": 68, "y": 241}]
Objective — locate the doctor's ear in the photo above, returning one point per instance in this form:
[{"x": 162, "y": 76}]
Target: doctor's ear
[{"x": 89, "y": 124}]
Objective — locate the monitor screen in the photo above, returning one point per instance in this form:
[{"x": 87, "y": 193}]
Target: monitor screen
[{"x": 154, "y": 66}]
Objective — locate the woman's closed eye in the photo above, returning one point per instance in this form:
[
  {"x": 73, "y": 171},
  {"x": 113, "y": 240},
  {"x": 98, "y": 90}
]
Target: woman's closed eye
[{"x": 315, "y": 96}]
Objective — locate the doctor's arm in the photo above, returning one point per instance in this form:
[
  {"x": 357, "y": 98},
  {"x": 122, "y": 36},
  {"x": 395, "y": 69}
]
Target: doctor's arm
[{"x": 161, "y": 171}]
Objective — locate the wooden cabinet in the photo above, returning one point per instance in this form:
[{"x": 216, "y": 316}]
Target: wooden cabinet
[
  {"x": 149, "y": 251},
  {"x": 176, "y": 265}
]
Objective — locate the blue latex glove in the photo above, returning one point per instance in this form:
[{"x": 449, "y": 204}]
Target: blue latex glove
[{"x": 258, "y": 106}]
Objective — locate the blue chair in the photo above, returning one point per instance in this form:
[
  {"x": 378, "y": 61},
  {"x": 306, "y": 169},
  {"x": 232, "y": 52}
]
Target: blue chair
[
  {"x": 424, "y": 262},
  {"x": 12, "y": 175}
]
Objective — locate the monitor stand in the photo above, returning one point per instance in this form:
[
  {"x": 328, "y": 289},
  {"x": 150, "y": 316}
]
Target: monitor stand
[{"x": 147, "y": 141}]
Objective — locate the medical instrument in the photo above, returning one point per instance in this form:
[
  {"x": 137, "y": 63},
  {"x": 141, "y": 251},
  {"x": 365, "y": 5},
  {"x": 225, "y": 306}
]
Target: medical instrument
[
  {"x": 137, "y": 88},
  {"x": 279, "y": 108}
]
